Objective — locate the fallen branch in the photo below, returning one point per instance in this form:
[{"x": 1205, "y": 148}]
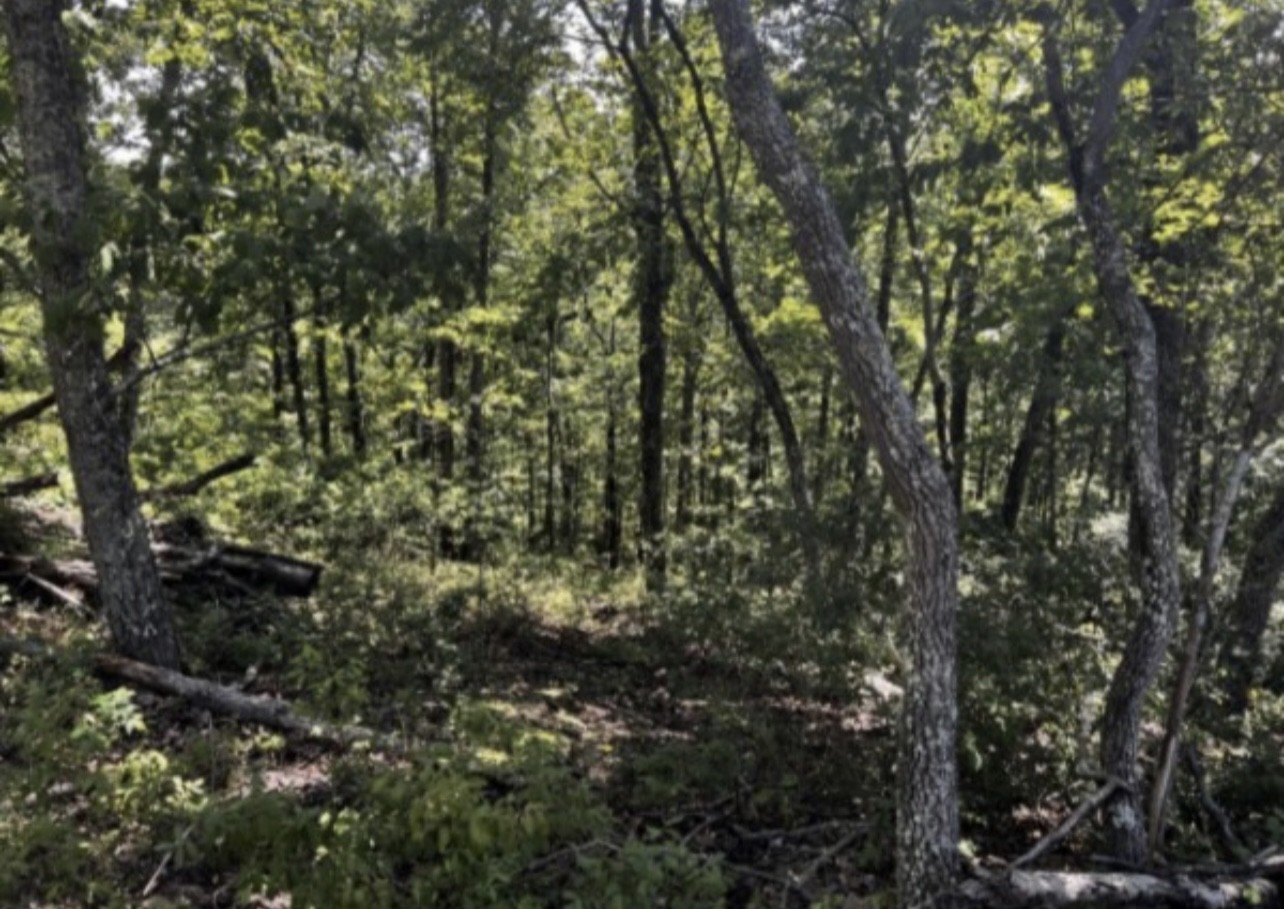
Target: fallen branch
[
  {"x": 15, "y": 488},
  {"x": 200, "y": 481},
  {"x": 245, "y": 570},
  {"x": 269, "y": 712},
  {"x": 1066, "y": 827},
  {"x": 830, "y": 854},
  {"x": 257, "y": 568}
]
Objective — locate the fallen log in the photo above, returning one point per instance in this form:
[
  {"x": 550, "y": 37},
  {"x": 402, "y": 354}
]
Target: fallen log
[
  {"x": 77, "y": 573},
  {"x": 200, "y": 481},
  {"x": 1258, "y": 887},
  {"x": 265, "y": 711},
  {"x": 245, "y": 570},
  {"x": 255, "y": 568},
  {"x": 28, "y": 485}
]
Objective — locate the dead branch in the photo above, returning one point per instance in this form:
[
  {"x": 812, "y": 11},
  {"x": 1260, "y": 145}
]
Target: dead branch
[
  {"x": 200, "y": 481},
  {"x": 1049, "y": 842},
  {"x": 28, "y": 485},
  {"x": 264, "y": 711}
]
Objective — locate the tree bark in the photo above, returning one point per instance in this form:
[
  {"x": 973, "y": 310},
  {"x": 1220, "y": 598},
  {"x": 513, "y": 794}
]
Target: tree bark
[
  {"x": 1263, "y": 411},
  {"x": 356, "y": 405},
  {"x": 961, "y": 355},
  {"x": 321, "y": 363},
  {"x": 1042, "y": 404},
  {"x": 652, "y": 284},
  {"x": 46, "y": 81},
  {"x": 927, "y": 822},
  {"x": 686, "y": 438},
  {"x": 1250, "y": 612},
  {"x": 1255, "y": 889},
  {"x": 612, "y": 513},
  {"x": 443, "y": 431},
  {"x": 1148, "y": 641},
  {"x": 294, "y": 365}
]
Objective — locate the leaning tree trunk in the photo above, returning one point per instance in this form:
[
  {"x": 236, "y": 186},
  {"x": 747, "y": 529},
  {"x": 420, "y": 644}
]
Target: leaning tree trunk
[
  {"x": 49, "y": 93},
  {"x": 927, "y": 823},
  {"x": 1147, "y": 643}
]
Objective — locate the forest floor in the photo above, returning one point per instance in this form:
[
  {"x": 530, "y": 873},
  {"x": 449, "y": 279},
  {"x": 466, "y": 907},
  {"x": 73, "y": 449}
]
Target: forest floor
[{"x": 742, "y": 762}]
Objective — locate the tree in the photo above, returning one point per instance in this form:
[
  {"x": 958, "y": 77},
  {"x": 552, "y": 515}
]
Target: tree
[
  {"x": 1148, "y": 641},
  {"x": 927, "y": 821},
  {"x": 47, "y": 84}
]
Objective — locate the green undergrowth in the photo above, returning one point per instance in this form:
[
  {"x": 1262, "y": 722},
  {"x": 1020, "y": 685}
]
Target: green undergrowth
[{"x": 577, "y": 742}]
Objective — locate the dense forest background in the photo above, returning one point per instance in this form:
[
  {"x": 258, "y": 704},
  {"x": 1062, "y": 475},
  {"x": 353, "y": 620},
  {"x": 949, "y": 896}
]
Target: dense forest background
[{"x": 619, "y": 454}]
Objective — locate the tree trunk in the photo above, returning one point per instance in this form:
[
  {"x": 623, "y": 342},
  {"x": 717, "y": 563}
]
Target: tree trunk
[
  {"x": 321, "y": 364},
  {"x": 1250, "y": 612},
  {"x": 961, "y": 376},
  {"x": 821, "y": 459},
  {"x": 551, "y": 422},
  {"x": 1148, "y": 642},
  {"x": 278, "y": 375},
  {"x": 755, "y": 450},
  {"x": 475, "y": 450},
  {"x": 612, "y": 517},
  {"x": 474, "y": 435},
  {"x": 570, "y": 492},
  {"x": 443, "y": 430},
  {"x": 356, "y": 406},
  {"x": 927, "y": 823},
  {"x": 1263, "y": 411},
  {"x": 686, "y": 438},
  {"x": 294, "y": 365},
  {"x": 49, "y": 94},
  {"x": 652, "y": 291},
  {"x": 1042, "y": 404},
  {"x": 1197, "y": 423}
]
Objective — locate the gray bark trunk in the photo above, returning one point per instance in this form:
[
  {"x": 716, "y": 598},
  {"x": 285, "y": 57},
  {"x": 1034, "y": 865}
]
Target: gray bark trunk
[
  {"x": 1148, "y": 641},
  {"x": 927, "y": 824},
  {"x": 46, "y": 83}
]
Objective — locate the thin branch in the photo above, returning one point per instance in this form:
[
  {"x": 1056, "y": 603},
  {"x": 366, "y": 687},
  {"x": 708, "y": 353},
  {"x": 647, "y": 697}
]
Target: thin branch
[{"x": 1066, "y": 827}]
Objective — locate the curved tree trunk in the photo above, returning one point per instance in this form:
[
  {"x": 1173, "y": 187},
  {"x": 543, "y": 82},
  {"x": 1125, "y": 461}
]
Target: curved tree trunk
[
  {"x": 1148, "y": 642},
  {"x": 927, "y": 823},
  {"x": 45, "y": 81}
]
